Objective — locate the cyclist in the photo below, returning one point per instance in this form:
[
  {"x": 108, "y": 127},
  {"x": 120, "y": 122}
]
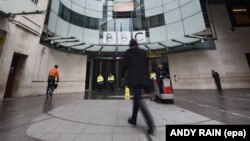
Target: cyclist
[{"x": 53, "y": 74}]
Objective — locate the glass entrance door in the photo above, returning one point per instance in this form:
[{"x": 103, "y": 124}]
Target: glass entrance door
[{"x": 105, "y": 66}]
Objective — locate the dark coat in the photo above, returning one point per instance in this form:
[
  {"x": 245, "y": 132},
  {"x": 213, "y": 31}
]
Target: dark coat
[
  {"x": 161, "y": 74},
  {"x": 135, "y": 63},
  {"x": 216, "y": 75}
]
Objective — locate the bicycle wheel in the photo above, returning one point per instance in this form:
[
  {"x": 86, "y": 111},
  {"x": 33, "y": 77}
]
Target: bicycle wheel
[{"x": 51, "y": 91}]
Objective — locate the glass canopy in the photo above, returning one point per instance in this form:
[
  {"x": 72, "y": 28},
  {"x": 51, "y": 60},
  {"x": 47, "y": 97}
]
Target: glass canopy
[{"x": 169, "y": 25}]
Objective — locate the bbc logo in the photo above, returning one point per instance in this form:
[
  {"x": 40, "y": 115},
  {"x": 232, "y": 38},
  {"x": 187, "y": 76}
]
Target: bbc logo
[{"x": 123, "y": 38}]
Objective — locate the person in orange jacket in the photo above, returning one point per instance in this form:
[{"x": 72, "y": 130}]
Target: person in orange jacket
[{"x": 53, "y": 74}]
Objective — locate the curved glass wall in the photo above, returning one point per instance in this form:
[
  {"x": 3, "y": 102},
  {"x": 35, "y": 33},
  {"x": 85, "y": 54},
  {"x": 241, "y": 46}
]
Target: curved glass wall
[
  {"x": 157, "y": 20},
  {"x": 130, "y": 21},
  {"x": 167, "y": 25},
  {"x": 77, "y": 19}
]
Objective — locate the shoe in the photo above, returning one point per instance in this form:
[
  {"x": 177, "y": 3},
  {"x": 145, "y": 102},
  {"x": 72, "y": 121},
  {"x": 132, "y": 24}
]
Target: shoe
[
  {"x": 133, "y": 122},
  {"x": 151, "y": 130}
]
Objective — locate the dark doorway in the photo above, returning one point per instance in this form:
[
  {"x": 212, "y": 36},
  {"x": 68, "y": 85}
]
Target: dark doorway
[
  {"x": 17, "y": 59},
  {"x": 102, "y": 64},
  {"x": 248, "y": 58},
  {"x": 104, "y": 67},
  {"x": 87, "y": 75}
]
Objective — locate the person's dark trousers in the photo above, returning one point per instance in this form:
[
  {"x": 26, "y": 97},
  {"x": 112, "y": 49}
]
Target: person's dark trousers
[
  {"x": 218, "y": 85},
  {"x": 51, "y": 82},
  {"x": 100, "y": 85},
  {"x": 139, "y": 103},
  {"x": 111, "y": 86},
  {"x": 160, "y": 86},
  {"x": 152, "y": 86}
]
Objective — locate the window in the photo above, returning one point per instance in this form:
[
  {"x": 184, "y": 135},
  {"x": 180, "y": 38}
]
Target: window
[
  {"x": 77, "y": 19},
  {"x": 64, "y": 12},
  {"x": 239, "y": 12},
  {"x": 92, "y": 23},
  {"x": 157, "y": 20},
  {"x": 82, "y": 20},
  {"x": 248, "y": 58}
]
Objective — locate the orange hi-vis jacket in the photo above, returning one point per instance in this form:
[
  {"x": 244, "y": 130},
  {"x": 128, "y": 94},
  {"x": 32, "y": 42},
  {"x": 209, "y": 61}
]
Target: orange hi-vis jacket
[{"x": 54, "y": 72}]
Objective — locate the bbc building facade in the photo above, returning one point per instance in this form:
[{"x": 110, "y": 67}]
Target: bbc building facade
[{"x": 87, "y": 37}]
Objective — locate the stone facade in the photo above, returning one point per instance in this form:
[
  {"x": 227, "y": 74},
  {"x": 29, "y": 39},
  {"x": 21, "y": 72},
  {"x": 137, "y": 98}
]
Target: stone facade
[
  {"x": 23, "y": 35},
  {"x": 193, "y": 68}
]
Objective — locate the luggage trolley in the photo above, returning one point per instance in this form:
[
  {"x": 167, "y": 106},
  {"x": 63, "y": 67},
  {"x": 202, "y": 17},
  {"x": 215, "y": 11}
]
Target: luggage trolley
[{"x": 168, "y": 95}]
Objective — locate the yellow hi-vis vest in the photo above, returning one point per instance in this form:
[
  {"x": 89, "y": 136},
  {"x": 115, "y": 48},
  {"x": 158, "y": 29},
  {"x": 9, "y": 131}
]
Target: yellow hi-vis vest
[
  {"x": 152, "y": 75},
  {"x": 100, "y": 79},
  {"x": 111, "y": 78}
]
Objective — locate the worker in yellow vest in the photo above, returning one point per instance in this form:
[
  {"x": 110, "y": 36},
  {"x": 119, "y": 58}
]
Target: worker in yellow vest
[
  {"x": 100, "y": 82},
  {"x": 111, "y": 81},
  {"x": 152, "y": 78}
]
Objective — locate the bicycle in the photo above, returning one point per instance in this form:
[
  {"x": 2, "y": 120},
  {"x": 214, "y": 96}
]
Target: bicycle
[{"x": 52, "y": 89}]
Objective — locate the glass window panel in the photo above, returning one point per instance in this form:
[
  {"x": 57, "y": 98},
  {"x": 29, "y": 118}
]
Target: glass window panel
[
  {"x": 182, "y": 2},
  {"x": 82, "y": 20},
  {"x": 157, "y": 34},
  {"x": 152, "y": 3},
  {"x": 171, "y": 5},
  {"x": 54, "y": 4},
  {"x": 62, "y": 27},
  {"x": 175, "y": 30},
  {"x": 123, "y": 24},
  {"x": 189, "y": 24},
  {"x": 157, "y": 20},
  {"x": 65, "y": 13},
  {"x": 60, "y": 10},
  {"x": 75, "y": 18},
  {"x": 190, "y": 8},
  {"x": 52, "y": 22},
  {"x": 92, "y": 23},
  {"x": 172, "y": 16}
]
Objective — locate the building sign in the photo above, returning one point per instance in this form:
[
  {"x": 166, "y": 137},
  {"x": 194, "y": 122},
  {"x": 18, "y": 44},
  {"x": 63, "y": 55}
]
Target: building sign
[{"x": 123, "y": 38}]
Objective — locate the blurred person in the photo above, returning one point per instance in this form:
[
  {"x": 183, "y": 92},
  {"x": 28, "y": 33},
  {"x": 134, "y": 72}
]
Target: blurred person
[
  {"x": 100, "y": 82},
  {"x": 216, "y": 77},
  {"x": 111, "y": 80},
  {"x": 135, "y": 65},
  {"x": 161, "y": 74},
  {"x": 53, "y": 75}
]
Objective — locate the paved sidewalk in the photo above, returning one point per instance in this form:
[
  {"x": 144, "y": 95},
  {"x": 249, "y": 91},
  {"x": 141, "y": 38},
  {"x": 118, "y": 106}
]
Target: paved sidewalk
[{"x": 106, "y": 120}]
